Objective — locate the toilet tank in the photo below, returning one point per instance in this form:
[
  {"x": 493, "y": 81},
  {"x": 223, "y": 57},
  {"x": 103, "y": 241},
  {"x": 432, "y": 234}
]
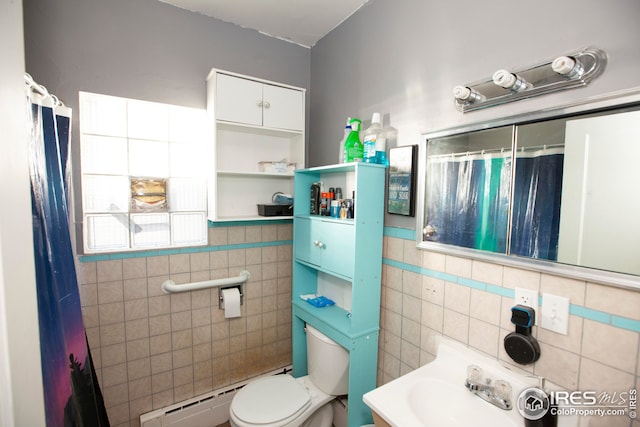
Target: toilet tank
[{"x": 328, "y": 363}]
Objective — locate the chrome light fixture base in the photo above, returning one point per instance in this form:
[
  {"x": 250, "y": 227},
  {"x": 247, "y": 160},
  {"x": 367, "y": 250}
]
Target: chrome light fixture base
[{"x": 572, "y": 70}]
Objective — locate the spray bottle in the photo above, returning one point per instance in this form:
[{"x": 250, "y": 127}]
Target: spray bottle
[
  {"x": 353, "y": 146},
  {"x": 347, "y": 131}
]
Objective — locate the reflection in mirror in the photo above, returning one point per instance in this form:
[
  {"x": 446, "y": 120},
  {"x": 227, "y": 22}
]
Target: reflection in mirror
[
  {"x": 564, "y": 190},
  {"x": 600, "y": 219},
  {"x": 537, "y": 189},
  {"x": 467, "y": 198}
]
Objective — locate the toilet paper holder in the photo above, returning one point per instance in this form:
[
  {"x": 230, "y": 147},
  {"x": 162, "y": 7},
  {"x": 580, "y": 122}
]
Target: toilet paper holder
[{"x": 221, "y": 297}]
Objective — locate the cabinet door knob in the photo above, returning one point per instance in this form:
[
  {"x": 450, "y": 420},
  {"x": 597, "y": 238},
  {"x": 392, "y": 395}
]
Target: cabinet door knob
[
  {"x": 259, "y": 104},
  {"x": 267, "y": 104},
  {"x": 318, "y": 243}
]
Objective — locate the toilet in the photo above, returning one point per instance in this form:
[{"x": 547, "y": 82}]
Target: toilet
[{"x": 284, "y": 401}]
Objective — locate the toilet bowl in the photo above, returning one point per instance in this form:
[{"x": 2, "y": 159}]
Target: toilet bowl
[{"x": 284, "y": 401}]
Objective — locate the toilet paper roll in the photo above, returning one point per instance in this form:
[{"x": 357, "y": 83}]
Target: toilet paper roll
[{"x": 231, "y": 298}]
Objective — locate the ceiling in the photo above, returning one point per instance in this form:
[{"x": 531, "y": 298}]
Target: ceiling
[{"x": 303, "y": 22}]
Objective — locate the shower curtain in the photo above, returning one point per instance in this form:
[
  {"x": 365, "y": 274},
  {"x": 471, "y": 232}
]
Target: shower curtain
[
  {"x": 468, "y": 200},
  {"x": 71, "y": 392},
  {"x": 536, "y": 206}
]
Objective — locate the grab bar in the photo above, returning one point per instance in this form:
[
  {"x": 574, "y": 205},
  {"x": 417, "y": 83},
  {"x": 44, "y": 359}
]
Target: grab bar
[{"x": 169, "y": 286}]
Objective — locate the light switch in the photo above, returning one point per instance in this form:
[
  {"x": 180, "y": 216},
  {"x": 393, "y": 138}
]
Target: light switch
[{"x": 555, "y": 313}]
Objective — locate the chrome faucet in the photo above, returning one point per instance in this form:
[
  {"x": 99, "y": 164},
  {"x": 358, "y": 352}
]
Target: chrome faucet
[{"x": 497, "y": 393}]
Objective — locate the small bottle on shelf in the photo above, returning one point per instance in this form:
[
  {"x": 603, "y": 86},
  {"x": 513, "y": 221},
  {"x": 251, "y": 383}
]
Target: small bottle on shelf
[
  {"x": 347, "y": 131},
  {"x": 353, "y": 205},
  {"x": 373, "y": 136}
]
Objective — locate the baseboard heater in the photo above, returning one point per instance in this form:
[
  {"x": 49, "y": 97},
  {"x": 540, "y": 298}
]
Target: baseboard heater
[{"x": 208, "y": 410}]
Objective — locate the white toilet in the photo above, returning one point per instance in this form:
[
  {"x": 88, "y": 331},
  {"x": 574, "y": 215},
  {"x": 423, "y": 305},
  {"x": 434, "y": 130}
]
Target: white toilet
[{"x": 284, "y": 401}]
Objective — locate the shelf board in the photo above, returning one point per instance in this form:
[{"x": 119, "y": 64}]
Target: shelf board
[
  {"x": 341, "y": 168},
  {"x": 326, "y": 218},
  {"x": 335, "y": 318},
  {"x": 255, "y": 174},
  {"x": 243, "y": 127},
  {"x": 250, "y": 218},
  {"x": 324, "y": 270}
]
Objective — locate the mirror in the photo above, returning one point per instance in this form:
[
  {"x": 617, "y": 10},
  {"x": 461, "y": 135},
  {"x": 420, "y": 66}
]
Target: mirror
[{"x": 557, "y": 192}]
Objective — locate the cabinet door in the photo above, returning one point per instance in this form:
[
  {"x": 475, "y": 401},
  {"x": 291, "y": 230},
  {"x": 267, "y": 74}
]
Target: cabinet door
[
  {"x": 337, "y": 244},
  {"x": 283, "y": 108},
  {"x": 238, "y": 100},
  {"x": 327, "y": 244},
  {"x": 305, "y": 246}
]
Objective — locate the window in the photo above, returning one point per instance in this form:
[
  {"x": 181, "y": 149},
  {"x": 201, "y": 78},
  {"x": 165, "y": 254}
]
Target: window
[{"x": 144, "y": 182}]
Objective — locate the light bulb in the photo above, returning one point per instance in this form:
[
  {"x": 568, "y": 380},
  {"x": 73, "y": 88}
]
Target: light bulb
[
  {"x": 508, "y": 80},
  {"x": 464, "y": 93},
  {"x": 568, "y": 67}
]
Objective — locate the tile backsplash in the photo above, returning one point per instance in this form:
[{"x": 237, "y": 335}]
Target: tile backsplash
[
  {"x": 152, "y": 350},
  {"x": 427, "y": 294}
]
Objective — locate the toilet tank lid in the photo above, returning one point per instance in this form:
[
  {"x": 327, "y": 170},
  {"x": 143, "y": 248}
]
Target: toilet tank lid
[
  {"x": 269, "y": 400},
  {"x": 316, "y": 333}
]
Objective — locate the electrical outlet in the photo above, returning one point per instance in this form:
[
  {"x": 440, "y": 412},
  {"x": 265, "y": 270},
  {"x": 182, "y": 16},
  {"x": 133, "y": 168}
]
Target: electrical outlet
[
  {"x": 555, "y": 313},
  {"x": 528, "y": 298}
]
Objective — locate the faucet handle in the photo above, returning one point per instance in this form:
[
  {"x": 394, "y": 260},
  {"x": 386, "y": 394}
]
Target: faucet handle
[
  {"x": 502, "y": 389},
  {"x": 474, "y": 373}
]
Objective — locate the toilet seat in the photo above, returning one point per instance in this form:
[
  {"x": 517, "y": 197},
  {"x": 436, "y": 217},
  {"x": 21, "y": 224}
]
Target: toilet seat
[{"x": 273, "y": 400}]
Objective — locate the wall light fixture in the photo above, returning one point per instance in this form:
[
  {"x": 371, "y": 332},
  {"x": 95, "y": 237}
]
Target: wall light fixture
[{"x": 572, "y": 70}]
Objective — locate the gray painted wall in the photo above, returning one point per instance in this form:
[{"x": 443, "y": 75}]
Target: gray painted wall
[
  {"x": 403, "y": 58},
  {"x": 144, "y": 49}
]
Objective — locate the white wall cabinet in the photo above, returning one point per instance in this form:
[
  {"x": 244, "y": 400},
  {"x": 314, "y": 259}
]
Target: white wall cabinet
[
  {"x": 252, "y": 121},
  {"x": 251, "y": 102}
]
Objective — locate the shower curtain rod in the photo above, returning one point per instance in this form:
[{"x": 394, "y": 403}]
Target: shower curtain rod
[
  {"x": 469, "y": 153},
  {"x": 35, "y": 87},
  {"x": 540, "y": 147},
  {"x": 495, "y": 150}
]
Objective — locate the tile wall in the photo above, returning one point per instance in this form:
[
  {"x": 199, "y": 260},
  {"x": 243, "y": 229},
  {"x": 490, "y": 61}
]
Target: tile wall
[
  {"x": 427, "y": 294},
  {"x": 151, "y": 350}
]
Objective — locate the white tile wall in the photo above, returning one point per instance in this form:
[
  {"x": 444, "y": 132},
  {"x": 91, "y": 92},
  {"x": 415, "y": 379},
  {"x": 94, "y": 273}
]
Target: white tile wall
[{"x": 417, "y": 308}]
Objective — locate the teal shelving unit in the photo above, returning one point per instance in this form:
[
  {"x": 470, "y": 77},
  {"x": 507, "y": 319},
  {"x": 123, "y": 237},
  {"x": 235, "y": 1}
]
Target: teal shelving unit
[{"x": 346, "y": 252}]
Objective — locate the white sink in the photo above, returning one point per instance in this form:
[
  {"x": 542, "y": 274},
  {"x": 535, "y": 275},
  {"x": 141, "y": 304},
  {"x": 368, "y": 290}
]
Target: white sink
[{"x": 435, "y": 394}]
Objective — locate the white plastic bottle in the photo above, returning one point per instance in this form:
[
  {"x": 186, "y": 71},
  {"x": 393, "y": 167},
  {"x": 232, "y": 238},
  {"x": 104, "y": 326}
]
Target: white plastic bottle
[
  {"x": 347, "y": 130},
  {"x": 374, "y": 140}
]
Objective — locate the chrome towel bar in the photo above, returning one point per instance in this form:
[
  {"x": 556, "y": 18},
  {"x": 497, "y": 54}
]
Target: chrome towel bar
[{"x": 169, "y": 286}]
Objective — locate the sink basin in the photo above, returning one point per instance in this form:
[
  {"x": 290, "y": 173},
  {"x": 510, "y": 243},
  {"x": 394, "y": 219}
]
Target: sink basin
[
  {"x": 435, "y": 395},
  {"x": 439, "y": 403}
]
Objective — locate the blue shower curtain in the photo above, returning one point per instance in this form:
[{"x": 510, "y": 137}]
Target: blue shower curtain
[
  {"x": 71, "y": 392},
  {"x": 536, "y": 206},
  {"x": 468, "y": 200}
]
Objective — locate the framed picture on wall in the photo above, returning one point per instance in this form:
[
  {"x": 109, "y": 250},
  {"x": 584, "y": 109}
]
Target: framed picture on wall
[{"x": 402, "y": 180}]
